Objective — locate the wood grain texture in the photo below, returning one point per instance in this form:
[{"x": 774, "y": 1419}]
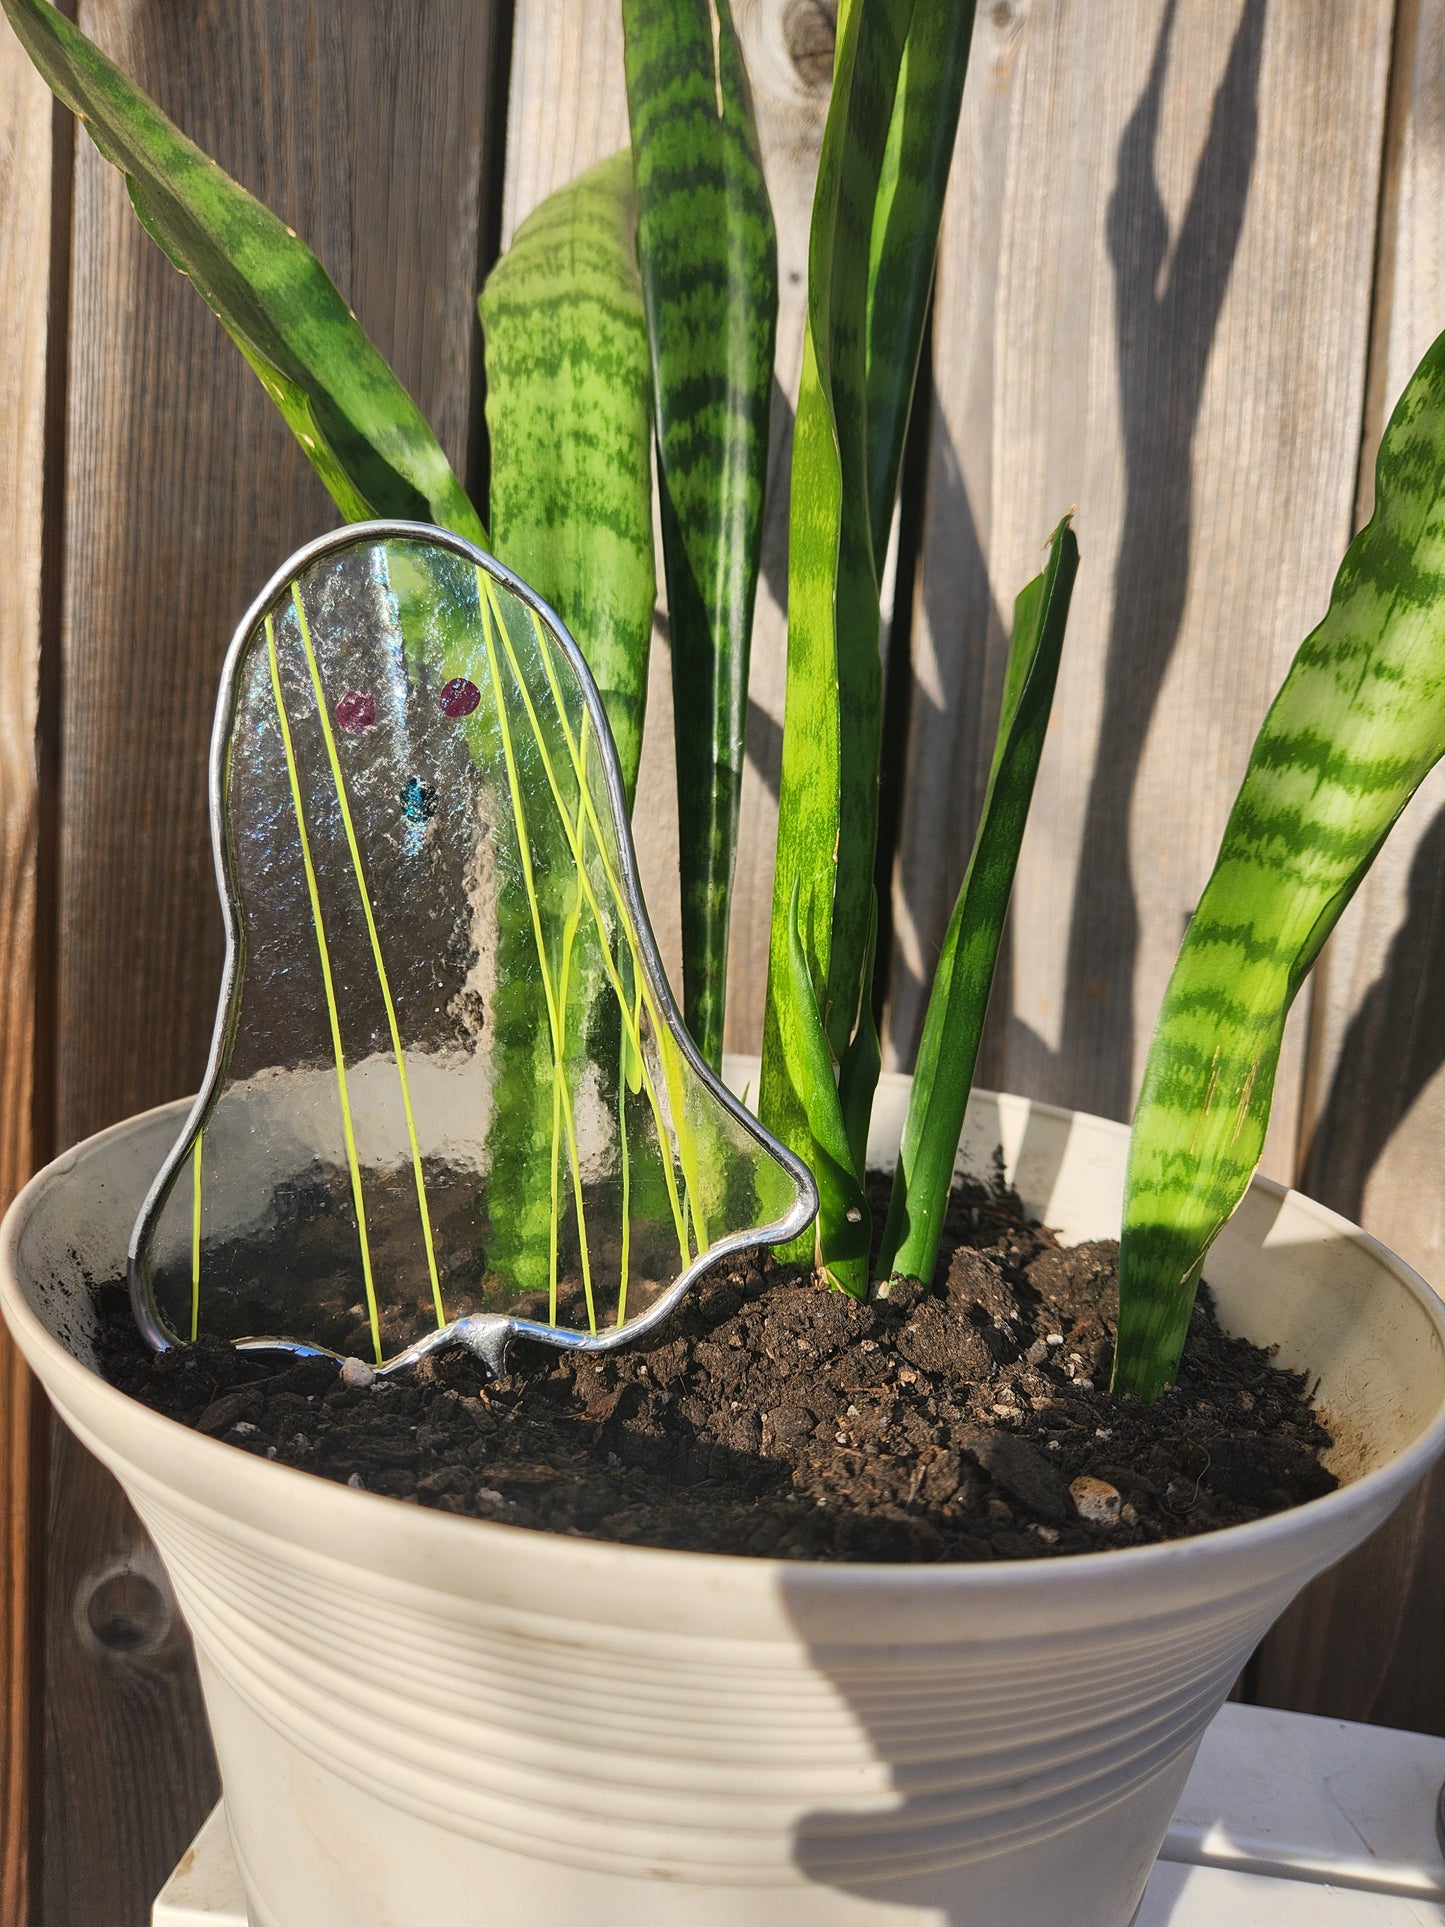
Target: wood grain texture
[
  {"x": 364, "y": 130},
  {"x": 1376, "y": 1106},
  {"x": 367, "y": 129},
  {"x": 25, "y": 161},
  {"x": 567, "y": 103},
  {"x": 1153, "y": 303},
  {"x": 1364, "y": 1641},
  {"x": 129, "y": 1769},
  {"x": 569, "y": 108}
]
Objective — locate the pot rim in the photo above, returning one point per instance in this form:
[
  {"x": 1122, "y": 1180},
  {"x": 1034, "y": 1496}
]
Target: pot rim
[{"x": 1077, "y": 1571}]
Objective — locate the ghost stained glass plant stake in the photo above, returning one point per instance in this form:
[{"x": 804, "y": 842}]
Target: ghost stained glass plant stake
[{"x": 424, "y": 863}]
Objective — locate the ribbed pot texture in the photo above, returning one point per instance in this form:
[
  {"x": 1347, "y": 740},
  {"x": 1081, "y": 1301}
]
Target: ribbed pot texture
[{"x": 427, "y": 1721}]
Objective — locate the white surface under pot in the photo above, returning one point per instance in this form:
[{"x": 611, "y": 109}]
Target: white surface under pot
[
  {"x": 424, "y": 1720},
  {"x": 1286, "y": 1821}
]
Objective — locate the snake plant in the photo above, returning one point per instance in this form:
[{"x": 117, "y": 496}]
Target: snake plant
[
  {"x": 1357, "y": 725},
  {"x": 640, "y": 302},
  {"x": 642, "y": 298},
  {"x": 887, "y": 145}
]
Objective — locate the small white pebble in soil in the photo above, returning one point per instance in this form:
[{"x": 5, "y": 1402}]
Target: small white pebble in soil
[
  {"x": 907, "y": 1376},
  {"x": 1053, "y": 1338},
  {"x": 486, "y": 1495},
  {"x": 1083, "y": 1384},
  {"x": 1096, "y": 1501},
  {"x": 1054, "y": 1445},
  {"x": 1102, "y": 1432},
  {"x": 852, "y": 1412},
  {"x": 244, "y": 1429},
  {"x": 1049, "y": 1534},
  {"x": 1129, "y": 1516},
  {"x": 356, "y": 1373},
  {"x": 270, "y": 1451},
  {"x": 357, "y": 1481}
]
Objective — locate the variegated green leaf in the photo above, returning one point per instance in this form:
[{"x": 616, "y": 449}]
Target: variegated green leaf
[
  {"x": 568, "y": 386},
  {"x": 958, "y": 1001},
  {"x": 898, "y": 81},
  {"x": 828, "y": 803},
  {"x": 710, "y": 281},
  {"x": 836, "y": 1167},
  {"x": 905, "y": 234},
  {"x": 1359, "y": 721},
  {"x": 364, "y": 435},
  {"x": 862, "y": 1061},
  {"x": 568, "y": 413}
]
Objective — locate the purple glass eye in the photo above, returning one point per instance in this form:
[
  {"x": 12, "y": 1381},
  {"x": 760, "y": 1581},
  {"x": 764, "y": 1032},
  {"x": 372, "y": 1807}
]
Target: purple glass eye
[
  {"x": 356, "y": 711},
  {"x": 460, "y": 697}
]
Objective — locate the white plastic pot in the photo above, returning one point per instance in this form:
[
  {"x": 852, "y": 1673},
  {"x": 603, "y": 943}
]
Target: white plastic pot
[{"x": 427, "y": 1721}]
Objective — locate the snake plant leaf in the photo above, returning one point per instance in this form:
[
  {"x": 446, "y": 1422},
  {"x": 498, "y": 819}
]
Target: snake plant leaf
[
  {"x": 407, "y": 741},
  {"x": 364, "y": 435},
  {"x": 828, "y": 800},
  {"x": 862, "y": 1061},
  {"x": 958, "y": 1001},
  {"x": 568, "y": 388},
  {"x": 904, "y": 245},
  {"x": 836, "y": 1167},
  {"x": 568, "y": 413},
  {"x": 1357, "y": 724},
  {"x": 710, "y": 283}
]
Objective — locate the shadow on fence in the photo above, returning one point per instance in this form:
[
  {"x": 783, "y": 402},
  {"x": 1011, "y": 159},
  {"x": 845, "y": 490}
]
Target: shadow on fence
[{"x": 1165, "y": 321}]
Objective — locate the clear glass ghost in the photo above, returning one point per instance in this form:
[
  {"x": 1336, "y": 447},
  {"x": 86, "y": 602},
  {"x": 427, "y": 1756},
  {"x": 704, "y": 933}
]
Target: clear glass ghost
[{"x": 449, "y": 1092}]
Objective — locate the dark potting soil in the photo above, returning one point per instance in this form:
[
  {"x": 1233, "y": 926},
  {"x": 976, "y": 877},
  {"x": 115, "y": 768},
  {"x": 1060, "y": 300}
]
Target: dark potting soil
[{"x": 775, "y": 1417}]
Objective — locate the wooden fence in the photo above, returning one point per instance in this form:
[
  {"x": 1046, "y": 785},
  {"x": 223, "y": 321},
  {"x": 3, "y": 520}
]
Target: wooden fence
[{"x": 1191, "y": 252}]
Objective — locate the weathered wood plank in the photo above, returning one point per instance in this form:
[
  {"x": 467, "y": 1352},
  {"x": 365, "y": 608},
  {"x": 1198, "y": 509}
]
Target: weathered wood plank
[
  {"x": 569, "y": 108},
  {"x": 25, "y": 214},
  {"x": 567, "y": 103},
  {"x": 1376, "y": 1110},
  {"x": 1153, "y": 303},
  {"x": 129, "y": 1770},
  {"x": 367, "y": 128},
  {"x": 1363, "y": 1642}
]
